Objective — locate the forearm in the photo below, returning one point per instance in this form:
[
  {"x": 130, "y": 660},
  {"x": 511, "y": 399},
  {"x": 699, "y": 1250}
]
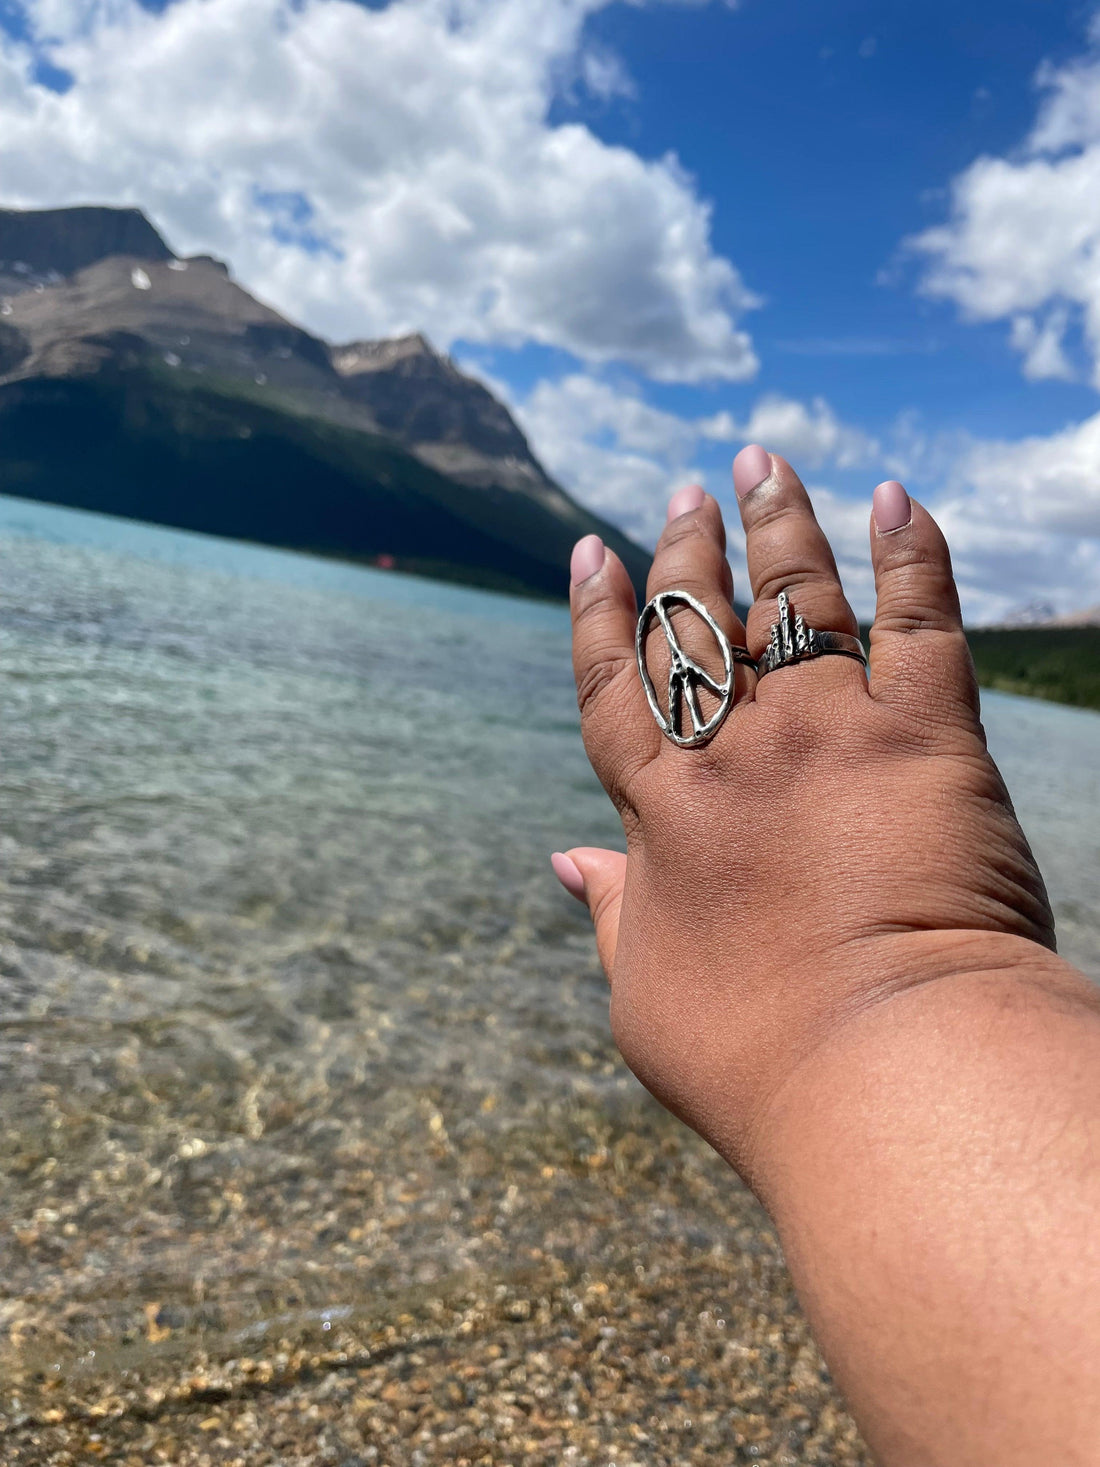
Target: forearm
[{"x": 933, "y": 1171}]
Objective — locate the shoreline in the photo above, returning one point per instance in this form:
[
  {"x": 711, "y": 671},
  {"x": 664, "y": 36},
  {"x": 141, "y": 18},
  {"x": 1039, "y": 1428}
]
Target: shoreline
[{"x": 633, "y": 1307}]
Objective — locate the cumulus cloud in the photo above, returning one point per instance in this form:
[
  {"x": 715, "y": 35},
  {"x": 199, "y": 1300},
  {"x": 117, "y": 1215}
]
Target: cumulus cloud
[
  {"x": 409, "y": 148},
  {"x": 614, "y": 451},
  {"x": 1004, "y": 560},
  {"x": 808, "y": 433},
  {"x": 1022, "y": 242},
  {"x": 1049, "y": 483},
  {"x": 623, "y": 457},
  {"x": 1041, "y": 344},
  {"x": 1022, "y": 516}
]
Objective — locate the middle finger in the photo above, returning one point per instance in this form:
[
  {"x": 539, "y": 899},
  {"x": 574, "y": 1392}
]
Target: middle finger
[{"x": 691, "y": 557}]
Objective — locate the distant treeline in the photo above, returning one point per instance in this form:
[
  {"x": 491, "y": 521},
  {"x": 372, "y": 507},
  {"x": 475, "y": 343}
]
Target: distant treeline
[{"x": 1058, "y": 663}]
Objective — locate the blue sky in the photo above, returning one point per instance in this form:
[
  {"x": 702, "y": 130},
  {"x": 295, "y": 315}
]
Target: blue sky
[
  {"x": 826, "y": 134},
  {"x": 868, "y": 234}
]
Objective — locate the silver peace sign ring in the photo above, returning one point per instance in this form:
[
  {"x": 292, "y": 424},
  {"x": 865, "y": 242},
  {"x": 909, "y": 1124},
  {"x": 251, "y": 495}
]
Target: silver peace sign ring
[
  {"x": 685, "y": 676},
  {"x": 793, "y": 641}
]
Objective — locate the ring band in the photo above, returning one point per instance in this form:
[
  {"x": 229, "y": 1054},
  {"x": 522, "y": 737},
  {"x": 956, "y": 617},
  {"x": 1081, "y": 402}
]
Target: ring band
[
  {"x": 685, "y": 676},
  {"x": 793, "y": 641}
]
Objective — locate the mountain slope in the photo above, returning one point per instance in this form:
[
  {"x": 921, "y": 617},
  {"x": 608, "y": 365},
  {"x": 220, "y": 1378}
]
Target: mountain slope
[
  {"x": 36, "y": 244},
  {"x": 155, "y": 387}
]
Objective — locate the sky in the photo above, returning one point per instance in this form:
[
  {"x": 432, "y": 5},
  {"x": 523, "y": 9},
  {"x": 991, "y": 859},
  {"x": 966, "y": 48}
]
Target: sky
[{"x": 864, "y": 234}]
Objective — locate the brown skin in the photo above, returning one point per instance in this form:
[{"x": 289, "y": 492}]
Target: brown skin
[{"x": 831, "y": 954}]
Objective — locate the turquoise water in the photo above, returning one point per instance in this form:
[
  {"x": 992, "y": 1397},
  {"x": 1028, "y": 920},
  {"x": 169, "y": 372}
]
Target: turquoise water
[{"x": 277, "y": 923}]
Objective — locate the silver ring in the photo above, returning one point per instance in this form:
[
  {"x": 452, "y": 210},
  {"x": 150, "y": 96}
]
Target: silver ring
[
  {"x": 793, "y": 641},
  {"x": 685, "y": 676}
]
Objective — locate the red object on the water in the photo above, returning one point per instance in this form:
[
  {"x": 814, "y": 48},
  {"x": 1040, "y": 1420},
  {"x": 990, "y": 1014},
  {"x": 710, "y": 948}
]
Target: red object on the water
[{"x": 385, "y": 561}]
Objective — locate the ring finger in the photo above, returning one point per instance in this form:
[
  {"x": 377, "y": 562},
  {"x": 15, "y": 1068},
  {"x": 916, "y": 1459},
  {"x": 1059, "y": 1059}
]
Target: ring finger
[{"x": 787, "y": 550}]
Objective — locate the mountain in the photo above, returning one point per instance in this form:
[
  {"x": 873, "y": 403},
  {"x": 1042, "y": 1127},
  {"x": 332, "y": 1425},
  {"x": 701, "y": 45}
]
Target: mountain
[
  {"x": 1042, "y": 614},
  {"x": 138, "y": 383},
  {"x": 45, "y": 244},
  {"x": 1088, "y": 616}
]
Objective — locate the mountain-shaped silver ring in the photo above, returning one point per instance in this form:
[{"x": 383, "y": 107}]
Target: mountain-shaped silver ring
[
  {"x": 793, "y": 641},
  {"x": 685, "y": 676}
]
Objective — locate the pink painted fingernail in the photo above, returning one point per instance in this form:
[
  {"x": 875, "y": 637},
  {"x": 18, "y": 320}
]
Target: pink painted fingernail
[
  {"x": 685, "y": 500},
  {"x": 587, "y": 559},
  {"x": 568, "y": 874},
  {"x": 891, "y": 507},
  {"x": 750, "y": 468}
]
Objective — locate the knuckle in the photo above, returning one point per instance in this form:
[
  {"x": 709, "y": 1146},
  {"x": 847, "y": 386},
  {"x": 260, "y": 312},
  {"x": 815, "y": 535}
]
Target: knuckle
[
  {"x": 606, "y": 903},
  {"x": 911, "y": 554},
  {"x": 911, "y": 617},
  {"x": 596, "y": 600},
  {"x": 701, "y": 587},
  {"x": 792, "y": 574},
  {"x": 691, "y": 556},
  {"x": 602, "y": 672},
  {"x": 774, "y": 510},
  {"x": 683, "y": 535},
  {"x": 917, "y": 593}
]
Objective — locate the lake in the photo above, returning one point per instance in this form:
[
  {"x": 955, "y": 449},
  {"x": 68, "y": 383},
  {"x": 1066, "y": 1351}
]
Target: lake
[{"x": 308, "y": 1094}]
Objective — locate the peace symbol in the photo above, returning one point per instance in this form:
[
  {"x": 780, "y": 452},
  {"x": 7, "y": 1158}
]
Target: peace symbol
[{"x": 685, "y": 676}]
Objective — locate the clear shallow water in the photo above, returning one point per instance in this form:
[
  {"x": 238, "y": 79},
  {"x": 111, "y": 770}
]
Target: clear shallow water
[{"x": 295, "y": 1014}]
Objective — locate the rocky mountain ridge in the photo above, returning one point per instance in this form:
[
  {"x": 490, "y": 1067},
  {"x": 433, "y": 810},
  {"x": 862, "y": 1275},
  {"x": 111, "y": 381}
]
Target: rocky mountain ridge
[{"x": 164, "y": 364}]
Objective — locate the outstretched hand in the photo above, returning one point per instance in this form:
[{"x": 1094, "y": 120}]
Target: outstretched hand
[
  {"x": 841, "y": 837},
  {"x": 831, "y": 953}
]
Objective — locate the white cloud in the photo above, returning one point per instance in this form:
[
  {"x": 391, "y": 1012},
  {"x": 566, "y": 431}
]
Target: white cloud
[
  {"x": 1023, "y": 239},
  {"x": 1022, "y": 517},
  {"x": 616, "y": 453},
  {"x": 604, "y": 74},
  {"x": 623, "y": 457},
  {"x": 410, "y": 143},
  {"x": 1022, "y": 245},
  {"x": 1041, "y": 343},
  {"x": 807, "y": 433},
  {"x": 1049, "y": 483}
]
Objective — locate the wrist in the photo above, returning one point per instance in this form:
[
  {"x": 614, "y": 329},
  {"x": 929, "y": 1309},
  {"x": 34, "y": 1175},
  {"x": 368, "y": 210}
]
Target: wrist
[
  {"x": 930, "y": 1167},
  {"x": 941, "y": 992},
  {"x": 930, "y": 1004}
]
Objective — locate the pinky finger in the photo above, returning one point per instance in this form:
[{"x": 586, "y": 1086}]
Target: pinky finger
[{"x": 919, "y": 655}]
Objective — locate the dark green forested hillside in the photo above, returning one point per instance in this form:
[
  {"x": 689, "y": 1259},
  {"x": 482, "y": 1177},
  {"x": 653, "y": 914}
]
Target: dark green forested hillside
[
  {"x": 226, "y": 458},
  {"x": 1059, "y": 663}
]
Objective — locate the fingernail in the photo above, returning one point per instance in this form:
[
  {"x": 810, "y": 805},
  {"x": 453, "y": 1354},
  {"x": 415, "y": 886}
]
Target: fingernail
[
  {"x": 891, "y": 507},
  {"x": 685, "y": 500},
  {"x": 751, "y": 467},
  {"x": 568, "y": 874},
  {"x": 587, "y": 558}
]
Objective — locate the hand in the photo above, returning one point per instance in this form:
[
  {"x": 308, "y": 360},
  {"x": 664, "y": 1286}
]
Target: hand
[{"x": 839, "y": 840}]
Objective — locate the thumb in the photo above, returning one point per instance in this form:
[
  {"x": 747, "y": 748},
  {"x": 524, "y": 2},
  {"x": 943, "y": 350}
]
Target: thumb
[{"x": 596, "y": 877}]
